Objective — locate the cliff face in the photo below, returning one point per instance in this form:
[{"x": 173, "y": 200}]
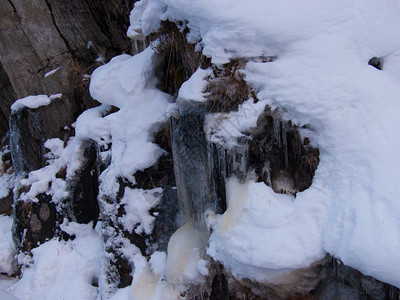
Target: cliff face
[{"x": 71, "y": 38}]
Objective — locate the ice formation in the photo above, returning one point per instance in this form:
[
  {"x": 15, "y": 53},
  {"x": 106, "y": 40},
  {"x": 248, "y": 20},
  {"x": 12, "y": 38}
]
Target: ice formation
[{"x": 320, "y": 80}]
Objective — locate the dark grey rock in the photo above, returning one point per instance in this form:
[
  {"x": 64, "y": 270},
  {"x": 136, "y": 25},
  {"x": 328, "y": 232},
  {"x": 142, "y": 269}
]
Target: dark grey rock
[
  {"x": 376, "y": 62},
  {"x": 84, "y": 187},
  {"x": 30, "y": 128},
  {"x": 7, "y": 97},
  {"x": 6, "y": 204},
  {"x": 34, "y": 223},
  {"x": 337, "y": 290}
]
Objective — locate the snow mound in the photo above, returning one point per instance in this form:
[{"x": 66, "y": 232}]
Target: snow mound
[
  {"x": 263, "y": 234},
  {"x": 63, "y": 270}
]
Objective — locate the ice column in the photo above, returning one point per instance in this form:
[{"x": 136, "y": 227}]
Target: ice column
[{"x": 193, "y": 173}]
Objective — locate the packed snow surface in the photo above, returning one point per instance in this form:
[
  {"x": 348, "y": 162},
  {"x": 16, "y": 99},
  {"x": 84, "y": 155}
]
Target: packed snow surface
[
  {"x": 62, "y": 270},
  {"x": 321, "y": 78},
  {"x": 7, "y": 248},
  {"x": 34, "y": 101}
]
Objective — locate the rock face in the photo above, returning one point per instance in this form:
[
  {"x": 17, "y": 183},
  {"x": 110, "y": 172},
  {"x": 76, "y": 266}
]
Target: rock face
[
  {"x": 71, "y": 37},
  {"x": 47, "y": 47},
  {"x": 7, "y": 97}
]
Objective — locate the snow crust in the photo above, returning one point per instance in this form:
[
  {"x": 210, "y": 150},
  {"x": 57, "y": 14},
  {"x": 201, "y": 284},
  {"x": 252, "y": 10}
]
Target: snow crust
[
  {"x": 34, "y": 101},
  {"x": 321, "y": 79}
]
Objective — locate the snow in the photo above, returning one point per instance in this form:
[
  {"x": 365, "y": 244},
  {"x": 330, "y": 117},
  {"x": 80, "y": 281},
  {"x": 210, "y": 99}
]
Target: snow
[
  {"x": 7, "y": 177},
  {"x": 321, "y": 78},
  {"x": 58, "y": 157},
  {"x": 225, "y": 128},
  {"x": 137, "y": 204},
  {"x": 51, "y": 72},
  {"x": 4, "y": 295},
  {"x": 63, "y": 270},
  {"x": 34, "y": 101},
  {"x": 263, "y": 234},
  {"x": 147, "y": 285},
  {"x": 157, "y": 262},
  {"x": 127, "y": 82},
  {"x": 6, "y": 183},
  {"x": 193, "y": 88},
  {"x": 7, "y": 248}
]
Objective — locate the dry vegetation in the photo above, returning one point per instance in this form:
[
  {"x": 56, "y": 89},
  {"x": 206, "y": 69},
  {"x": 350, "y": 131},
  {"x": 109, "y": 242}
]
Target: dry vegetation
[{"x": 177, "y": 59}]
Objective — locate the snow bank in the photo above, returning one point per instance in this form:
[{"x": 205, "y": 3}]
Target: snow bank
[
  {"x": 321, "y": 78},
  {"x": 34, "y": 101},
  {"x": 63, "y": 270},
  {"x": 263, "y": 234}
]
